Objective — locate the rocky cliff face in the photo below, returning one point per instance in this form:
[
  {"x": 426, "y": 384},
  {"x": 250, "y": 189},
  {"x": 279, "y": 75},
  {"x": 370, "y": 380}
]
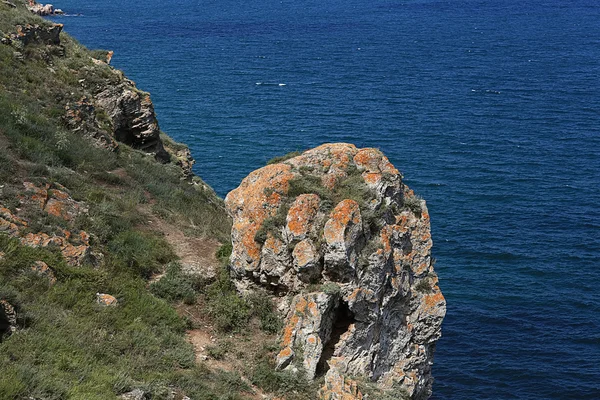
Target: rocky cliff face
[
  {"x": 109, "y": 108},
  {"x": 347, "y": 246}
]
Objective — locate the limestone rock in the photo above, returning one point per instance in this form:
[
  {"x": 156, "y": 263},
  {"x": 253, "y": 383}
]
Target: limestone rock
[
  {"x": 341, "y": 218},
  {"x": 28, "y": 34},
  {"x": 81, "y": 117},
  {"x": 133, "y": 119},
  {"x": 43, "y": 9},
  {"x": 308, "y": 326},
  {"x": 54, "y": 200},
  {"x": 135, "y": 394},
  {"x": 337, "y": 387},
  {"x": 8, "y": 318},
  {"x": 106, "y": 300},
  {"x": 43, "y": 269}
]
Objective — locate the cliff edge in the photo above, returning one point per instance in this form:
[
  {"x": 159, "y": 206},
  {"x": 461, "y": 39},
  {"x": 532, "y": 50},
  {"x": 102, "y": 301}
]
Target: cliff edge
[{"x": 346, "y": 245}]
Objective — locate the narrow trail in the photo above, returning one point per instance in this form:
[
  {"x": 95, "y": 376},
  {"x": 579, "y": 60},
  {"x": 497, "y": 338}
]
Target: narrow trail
[{"x": 197, "y": 255}]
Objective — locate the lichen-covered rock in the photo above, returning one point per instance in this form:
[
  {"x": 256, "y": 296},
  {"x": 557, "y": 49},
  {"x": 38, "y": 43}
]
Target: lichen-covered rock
[
  {"x": 42, "y": 269},
  {"x": 106, "y": 300},
  {"x": 308, "y": 326},
  {"x": 81, "y": 117},
  {"x": 27, "y": 34},
  {"x": 341, "y": 217},
  {"x": 43, "y": 9},
  {"x": 55, "y": 200},
  {"x": 337, "y": 387}
]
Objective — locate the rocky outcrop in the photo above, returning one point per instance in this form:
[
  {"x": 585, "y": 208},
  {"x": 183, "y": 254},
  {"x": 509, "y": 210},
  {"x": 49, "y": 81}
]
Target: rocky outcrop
[
  {"x": 337, "y": 387},
  {"x": 52, "y": 199},
  {"x": 81, "y": 117},
  {"x": 43, "y": 9},
  {"x": 38, "y": 34},
  {"x": 8, "y": 319},
  {"x": 336, "y": 231},
  {"x": 133, "y": 119}
]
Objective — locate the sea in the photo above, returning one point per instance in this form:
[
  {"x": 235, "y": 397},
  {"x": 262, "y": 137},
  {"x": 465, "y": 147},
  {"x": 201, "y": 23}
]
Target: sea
[{"x": 490, "y": 108}]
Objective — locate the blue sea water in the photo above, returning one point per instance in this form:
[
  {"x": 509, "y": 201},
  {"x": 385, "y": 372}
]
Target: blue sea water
[{"x": 491, "y": 108}]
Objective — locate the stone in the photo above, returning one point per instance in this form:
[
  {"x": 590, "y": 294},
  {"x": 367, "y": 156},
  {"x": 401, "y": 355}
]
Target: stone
[
  {"x": 133, "y": 119},
  {"x": 135, "y": 394},
  {"x": 42, "y": 269},
  {"x": 28, "y": 34},
  {"x": 308, "y": 326},
  {"x": 337, "y": 387},
  {"x": 8, "y": 319},
  {"x": 80, "y": 117},
  {"x": 339, "y": 223},
  {"x": 106, "y": 300},
  {"x": 43, "y": 9}
]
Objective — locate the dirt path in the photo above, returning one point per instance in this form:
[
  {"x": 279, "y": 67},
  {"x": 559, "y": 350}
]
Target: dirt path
[{"x": 197, "y": 256}]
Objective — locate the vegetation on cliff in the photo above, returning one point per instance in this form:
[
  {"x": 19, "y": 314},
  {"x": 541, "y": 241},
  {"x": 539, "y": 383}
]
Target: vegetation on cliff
[{"x": 84, "y": 189}]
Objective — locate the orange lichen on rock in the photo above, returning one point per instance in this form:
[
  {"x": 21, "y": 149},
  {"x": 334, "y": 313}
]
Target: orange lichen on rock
[
  {"x": 337, "y": 387},
  {"x": 250, "y": 205},
  {"x": 367, "y": 257},
  {"x": 302, "y": 213},
  {"x": 431, "y": 301},
  {"x": 43, "y": 269},
  {"x": 38, "y": 195},
  {"x": 347, "y": 212},
  {"x": 106, "y": 300},
  {"x": 373, "y": 160}
]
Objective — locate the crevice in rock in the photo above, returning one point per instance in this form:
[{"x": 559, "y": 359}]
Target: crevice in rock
[
  {"x": 343, "y": 319},
  {"x": 124, "y": 136}
]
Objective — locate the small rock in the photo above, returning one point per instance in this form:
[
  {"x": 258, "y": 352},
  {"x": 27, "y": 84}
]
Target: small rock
[
  {"x": 135, "y": 394},
  {"x": 43, "y": 269},
  {"x": 8, "y": 318},
  {"x": 106, "y": 300}
]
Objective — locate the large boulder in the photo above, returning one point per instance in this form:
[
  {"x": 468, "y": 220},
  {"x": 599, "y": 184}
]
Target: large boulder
[{"x": 347, "y": 246}]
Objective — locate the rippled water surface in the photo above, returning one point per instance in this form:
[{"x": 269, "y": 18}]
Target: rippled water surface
[{"x": 491, "y": 109}]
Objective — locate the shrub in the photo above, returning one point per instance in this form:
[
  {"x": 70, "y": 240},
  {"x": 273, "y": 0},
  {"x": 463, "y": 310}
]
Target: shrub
[
  {"x": 414, "y": 204},
  {"x": 175, "y": 286},
  {"x": 224, "y": 252},
  {"x": 229, "y": 311},
  {"x": 424, "y": 285},
  {"x": 261, "y": 307},
  {"x": 143, "y": 253}
]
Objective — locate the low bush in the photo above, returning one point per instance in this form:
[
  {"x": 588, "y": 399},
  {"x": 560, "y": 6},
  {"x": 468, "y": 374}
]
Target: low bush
[
  {"x": 175, "y": 285},
  {"x": 141, "y": 252},
  {"x": 262, "y": 307}
]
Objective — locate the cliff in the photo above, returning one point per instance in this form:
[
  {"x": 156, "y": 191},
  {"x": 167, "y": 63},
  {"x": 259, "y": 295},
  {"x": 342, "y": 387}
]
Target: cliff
[{"x": 348, "y": 246}]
